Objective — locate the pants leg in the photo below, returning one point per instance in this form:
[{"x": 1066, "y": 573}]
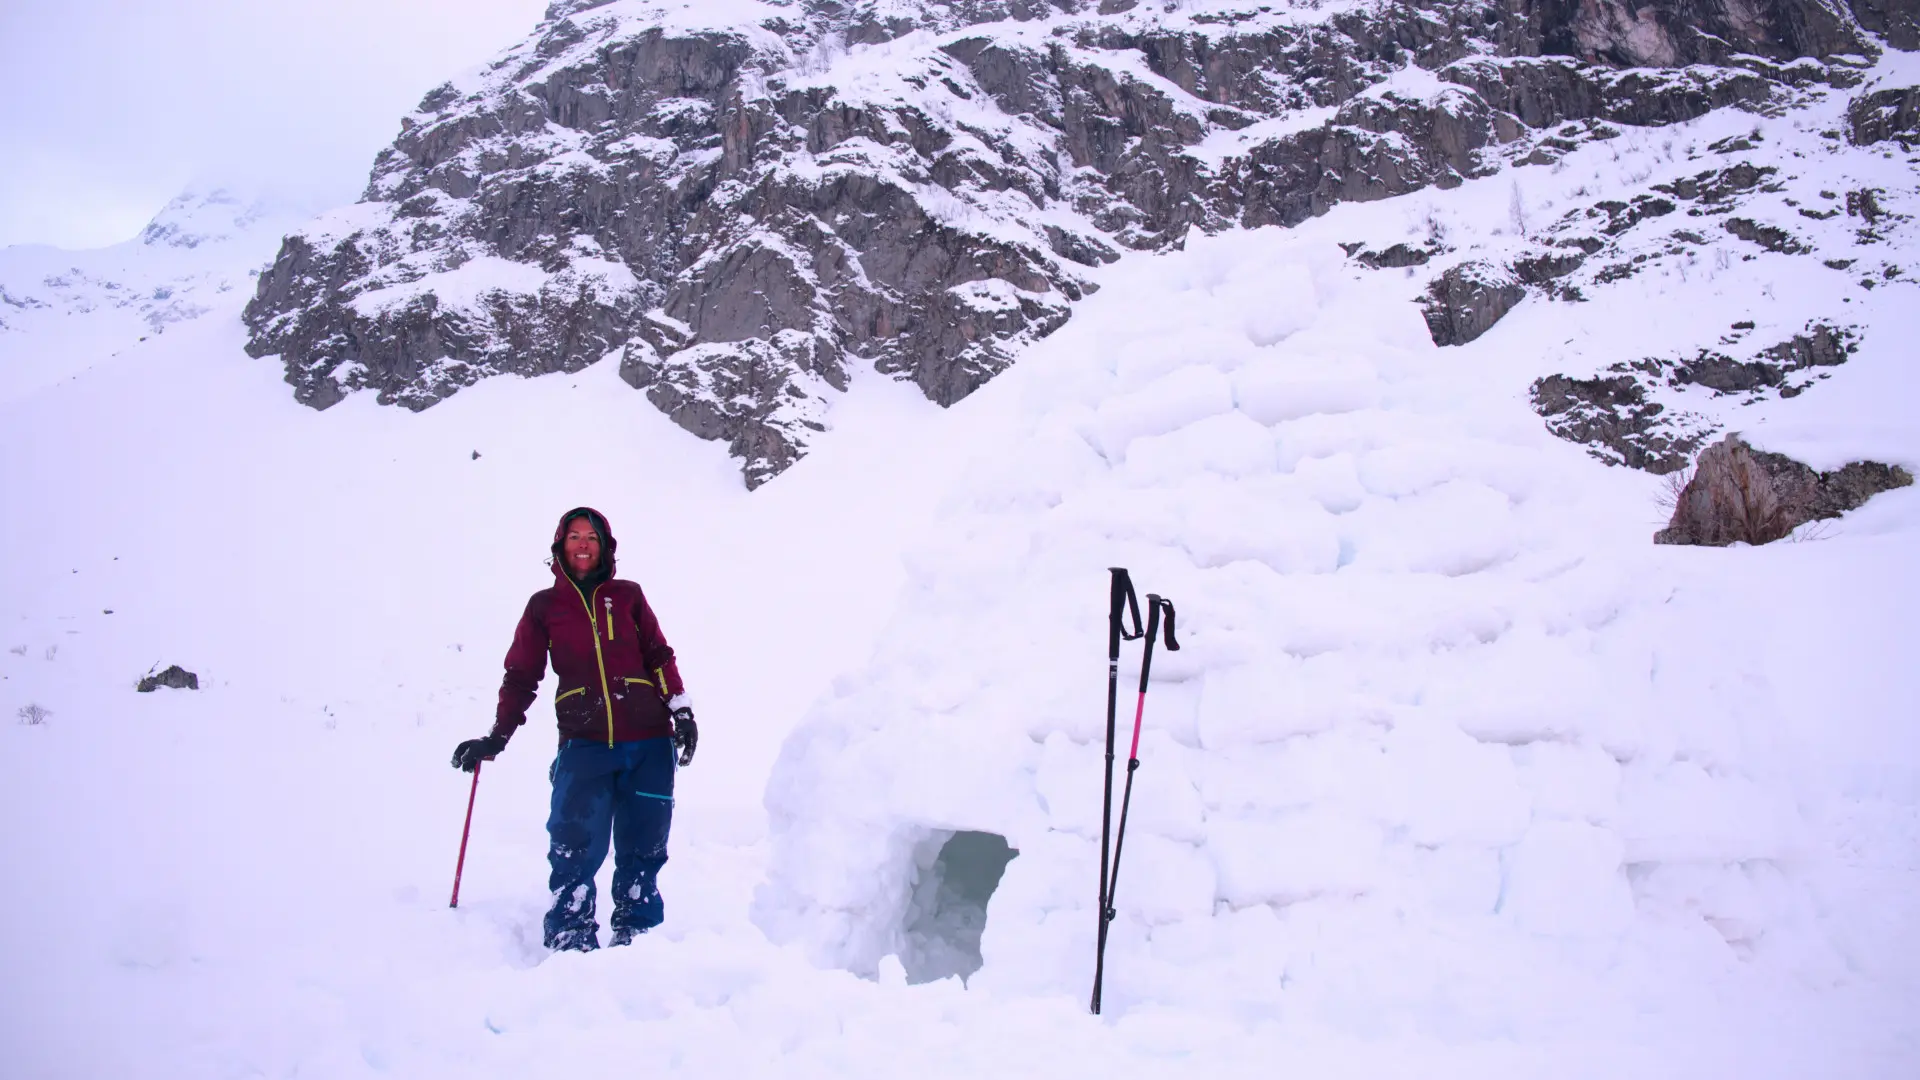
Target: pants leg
[
  {"x": 578, "y": 825},
  {"x": 642, "y": 816}
]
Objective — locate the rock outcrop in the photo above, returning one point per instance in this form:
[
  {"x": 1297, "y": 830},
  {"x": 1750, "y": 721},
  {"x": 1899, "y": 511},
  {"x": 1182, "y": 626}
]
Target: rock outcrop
[
  {"x": 1883, "y": 115},
  {"x": 738, "y": 214},
  {"x": 1466, "y": 300},
  {"x": 1616, "y": 419},
  {"x": 1618, "y": 415},
  {"x": 1898, "y": 21},
  {"x": 1741, "y": 495}
]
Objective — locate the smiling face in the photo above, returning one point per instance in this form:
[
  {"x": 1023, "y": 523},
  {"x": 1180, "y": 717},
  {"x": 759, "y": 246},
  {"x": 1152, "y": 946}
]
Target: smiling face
[{"x": 580, "y": 548}]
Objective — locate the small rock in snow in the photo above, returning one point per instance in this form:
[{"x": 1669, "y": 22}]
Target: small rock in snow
[{"x": 175, "y": 677}]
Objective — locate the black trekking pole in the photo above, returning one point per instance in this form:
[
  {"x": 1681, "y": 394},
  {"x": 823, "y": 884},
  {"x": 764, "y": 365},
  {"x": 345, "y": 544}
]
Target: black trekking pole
[
  {"x": 1120, "y": 601},
  {"x": 1154, "y": 604}
]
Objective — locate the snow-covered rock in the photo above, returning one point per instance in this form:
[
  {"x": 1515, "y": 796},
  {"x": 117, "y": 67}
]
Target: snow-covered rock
[{"x": 741, "y": 199}]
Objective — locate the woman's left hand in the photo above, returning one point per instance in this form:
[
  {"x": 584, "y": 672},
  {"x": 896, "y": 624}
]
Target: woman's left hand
[{"x": 686, "y": 734}]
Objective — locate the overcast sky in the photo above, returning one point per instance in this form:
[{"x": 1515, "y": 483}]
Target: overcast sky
[{"x": 108, "y": 108}]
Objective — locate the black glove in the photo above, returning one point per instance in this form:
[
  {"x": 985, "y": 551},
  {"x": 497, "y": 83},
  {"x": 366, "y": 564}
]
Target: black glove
[
  {"x": 468, "y": 755},
  {"x": 686, "y": 734}
]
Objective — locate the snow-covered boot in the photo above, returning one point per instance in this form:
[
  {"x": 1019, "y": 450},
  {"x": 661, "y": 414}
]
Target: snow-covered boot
[{"x": 578, "y": 939}]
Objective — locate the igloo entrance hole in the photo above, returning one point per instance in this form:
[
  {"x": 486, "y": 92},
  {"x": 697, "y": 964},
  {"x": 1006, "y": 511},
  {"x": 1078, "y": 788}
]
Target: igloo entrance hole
[{"x": 948, "y": 910}]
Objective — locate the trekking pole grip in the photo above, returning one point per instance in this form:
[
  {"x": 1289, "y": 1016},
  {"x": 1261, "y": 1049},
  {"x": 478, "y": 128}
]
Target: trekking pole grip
[{"x": 1121, "y": 601}]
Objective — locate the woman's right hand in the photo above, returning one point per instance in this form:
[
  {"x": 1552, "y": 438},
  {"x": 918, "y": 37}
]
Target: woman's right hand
[{"x": 468, "y": 755}]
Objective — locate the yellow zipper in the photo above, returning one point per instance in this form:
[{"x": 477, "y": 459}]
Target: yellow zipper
[
  {"x": 631, "y": 679},
  {"x": 609, "y": 620},
  {"x": 570, "y": 693},
  {"x": 599, "y": 660}
]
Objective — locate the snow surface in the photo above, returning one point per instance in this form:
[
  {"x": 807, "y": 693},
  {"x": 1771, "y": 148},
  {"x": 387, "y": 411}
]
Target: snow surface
[{"x": 1455, "y": 775}]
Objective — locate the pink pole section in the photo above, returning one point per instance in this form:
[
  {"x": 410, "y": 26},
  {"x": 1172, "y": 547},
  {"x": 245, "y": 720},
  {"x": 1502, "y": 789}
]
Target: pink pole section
[
  {"x": 464, "y": 830},
  {"x": 1139, "y": 711}
]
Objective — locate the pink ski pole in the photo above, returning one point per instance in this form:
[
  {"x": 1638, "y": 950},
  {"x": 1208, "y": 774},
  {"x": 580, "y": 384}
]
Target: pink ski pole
[{"x": 464, "y": 829}]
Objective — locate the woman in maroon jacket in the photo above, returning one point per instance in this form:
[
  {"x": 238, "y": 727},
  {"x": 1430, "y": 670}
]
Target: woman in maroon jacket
[{"x": 622, "y": 712}]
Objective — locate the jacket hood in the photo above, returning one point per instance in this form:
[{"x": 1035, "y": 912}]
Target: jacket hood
[{"x": 607, "y": 542}]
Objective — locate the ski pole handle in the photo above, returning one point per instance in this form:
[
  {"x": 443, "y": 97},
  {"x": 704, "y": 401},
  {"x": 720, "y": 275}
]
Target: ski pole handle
[
  {"x": 1155, "y": 605},
  {"x": 461, "y": 865},
  {"x": 1121, "y": 602}
]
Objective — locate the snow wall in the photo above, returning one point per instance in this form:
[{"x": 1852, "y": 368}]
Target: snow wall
[{"x": 1448, "y": 736}]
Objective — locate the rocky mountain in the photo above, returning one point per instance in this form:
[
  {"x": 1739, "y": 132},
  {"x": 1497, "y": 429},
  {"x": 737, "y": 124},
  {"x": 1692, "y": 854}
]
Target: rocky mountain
[{"x": 744, "y": 199}]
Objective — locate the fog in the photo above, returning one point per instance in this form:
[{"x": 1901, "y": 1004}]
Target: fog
[{"x": 114, "y": 106}]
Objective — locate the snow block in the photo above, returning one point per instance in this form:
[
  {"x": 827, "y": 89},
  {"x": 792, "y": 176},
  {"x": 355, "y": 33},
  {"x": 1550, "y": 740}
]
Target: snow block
[
  {"x": 1229, "y": 444},
  {"x": 1445, "y": 788},
  {"x": 1459, "y": 527},
  {"x": 1275, "y": 390},
  {"x": 1576, "y": 783},
  {"x": 1565, "y": 877},
  {"x": 1166, "y": 404},
  {"x": 1296, "y": 857}
]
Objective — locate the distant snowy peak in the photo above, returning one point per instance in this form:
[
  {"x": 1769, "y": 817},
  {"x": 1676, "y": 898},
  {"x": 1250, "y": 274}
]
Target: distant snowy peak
[
  {"x": 739, "y": 199},
  {"x": 198, "y": 255},
  {"x": 197, "y": 217},
  {"x": 204, "y": 238}
]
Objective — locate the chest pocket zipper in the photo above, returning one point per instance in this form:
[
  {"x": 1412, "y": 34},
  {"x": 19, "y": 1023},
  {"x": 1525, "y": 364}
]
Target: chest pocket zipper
[
  {"x": 599, "y": 659},
  {"x": 609, "y": 620}
]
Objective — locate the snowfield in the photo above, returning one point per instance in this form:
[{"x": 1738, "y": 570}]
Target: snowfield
[{"x": 1456, "y": 774}]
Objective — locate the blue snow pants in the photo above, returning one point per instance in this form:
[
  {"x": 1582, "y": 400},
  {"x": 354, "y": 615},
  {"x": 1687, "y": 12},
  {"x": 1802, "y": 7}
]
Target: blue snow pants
[{"x": 623, "y": 792}]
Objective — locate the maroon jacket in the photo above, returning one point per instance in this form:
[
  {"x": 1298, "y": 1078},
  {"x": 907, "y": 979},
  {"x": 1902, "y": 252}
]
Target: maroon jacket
[{"x": 615, "y": 668}]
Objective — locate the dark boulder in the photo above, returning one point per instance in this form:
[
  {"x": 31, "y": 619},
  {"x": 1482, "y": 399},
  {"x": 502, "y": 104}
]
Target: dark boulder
[
  {"x": 1771, "y": 237},
  {"x": 1542, "y": 267},
  {"x": 1741, "y": 495},
  {"x": 175, "y": 678},
  {"x": 1396, "y": 256}
]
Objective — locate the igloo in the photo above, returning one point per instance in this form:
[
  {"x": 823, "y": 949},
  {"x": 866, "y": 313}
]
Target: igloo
[{"x": 1426, "y": 740}]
